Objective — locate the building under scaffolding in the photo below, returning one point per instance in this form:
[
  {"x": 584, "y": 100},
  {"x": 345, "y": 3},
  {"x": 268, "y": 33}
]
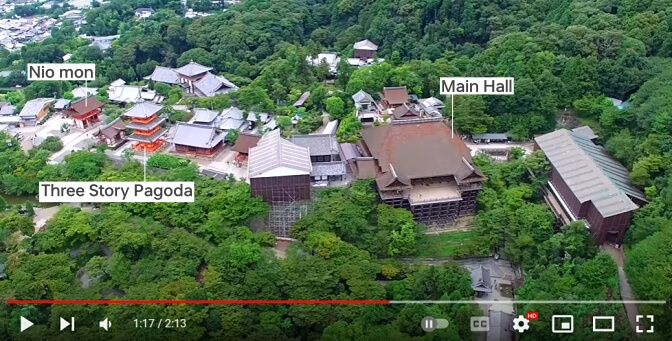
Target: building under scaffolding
[
  {"x": 279, "y": 173},
  {"x": 282, "y": 215}
]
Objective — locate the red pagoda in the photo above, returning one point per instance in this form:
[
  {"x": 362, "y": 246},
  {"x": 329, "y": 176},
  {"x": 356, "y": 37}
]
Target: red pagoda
[
  {"x": 84, "y": 111},
  {"x": 146, "y": 125}
]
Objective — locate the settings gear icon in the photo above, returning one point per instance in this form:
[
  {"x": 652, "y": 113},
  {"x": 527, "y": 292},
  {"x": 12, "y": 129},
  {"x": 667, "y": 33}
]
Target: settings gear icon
[{"x": 521, "y": 324}]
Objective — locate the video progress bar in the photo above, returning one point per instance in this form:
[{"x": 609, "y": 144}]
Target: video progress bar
[
  {"x": 528, "y": 302},
  {"x": 300, "y": 302}
]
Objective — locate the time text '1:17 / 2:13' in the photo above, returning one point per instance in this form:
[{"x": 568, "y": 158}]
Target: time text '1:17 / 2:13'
[{"x": 160, "y": 323}]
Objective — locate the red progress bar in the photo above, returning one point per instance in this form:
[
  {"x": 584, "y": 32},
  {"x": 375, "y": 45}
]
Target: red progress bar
[{"x": 217, "y": 302}]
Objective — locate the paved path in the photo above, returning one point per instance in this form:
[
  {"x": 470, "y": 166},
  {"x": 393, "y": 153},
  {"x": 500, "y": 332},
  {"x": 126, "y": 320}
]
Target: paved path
[{"x": 626, "y": 292}]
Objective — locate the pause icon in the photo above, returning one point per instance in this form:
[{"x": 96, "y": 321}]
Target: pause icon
[{"x": 428, "y": 324}]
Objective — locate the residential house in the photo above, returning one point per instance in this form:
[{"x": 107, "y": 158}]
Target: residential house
[
  {"x": 35, "y": 110},
  {"x": 589, "y": 185},
  {"x": 392, "y": 97},
  {"x": 66, "y": 57},
  {"x": 196, "y": 139},
  {"x": 325, "y": 156},
  {"x": 113, "y": 134},
  {"x": 420, "y": 166},
  {"x": 367, "y": 109}
]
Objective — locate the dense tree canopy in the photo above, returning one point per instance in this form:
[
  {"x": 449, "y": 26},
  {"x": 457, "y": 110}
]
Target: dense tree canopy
[{"x": 566, "y": 56}]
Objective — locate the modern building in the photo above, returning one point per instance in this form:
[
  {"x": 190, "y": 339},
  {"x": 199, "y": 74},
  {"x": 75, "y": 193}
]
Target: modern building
[
  {"x": 84, "y": 111},
  {"x": 146, "y": 125},
  {"x": 197, "y": 139},
  {"x": 325, "y": 156},
  {"x": 278, "y": 170},
  {"x": 588, "y": 184},
  {"x": 34, "y": 111},
  {"x": 367, "y": 109},
  {"x": 420, "y": 166},
  {"x": 113, "y": 134},
  {"x": 393, "y": 97},
  {"x": 365, "y": 49}
]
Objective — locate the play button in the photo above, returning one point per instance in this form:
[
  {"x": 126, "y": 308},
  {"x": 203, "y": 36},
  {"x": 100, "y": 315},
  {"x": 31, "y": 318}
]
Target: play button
[{"x": 25, "y": 324}]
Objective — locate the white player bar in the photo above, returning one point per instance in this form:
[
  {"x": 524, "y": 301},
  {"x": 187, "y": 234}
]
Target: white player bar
[
  {"x": 476, "y": 85},
  {"x": 527, "y": 302},
  {"x": 61, "y": 72}
]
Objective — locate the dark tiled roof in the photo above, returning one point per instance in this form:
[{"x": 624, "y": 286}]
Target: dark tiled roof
[
  {"x": 318, "y": 144},
  {"x": 405, "y": 112},
  {"x": 113, "y": 128},
  {"x": 192, "y": 69},
  {"x": 245, "y": 142},
  {"x": 195, "y": 135},
  {"x": 395, "y": 95},
  {"x": 418, "y": 149},
  {"x": 143, "y": 110},
  {"x": 211, "y": 85},
  {"x": 164, "y": 75},
  {"x": 84, "y": 105}
]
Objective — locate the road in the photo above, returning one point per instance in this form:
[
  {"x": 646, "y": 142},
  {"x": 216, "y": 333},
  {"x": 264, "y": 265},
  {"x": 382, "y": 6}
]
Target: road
[{"x": 626, "y": 292}]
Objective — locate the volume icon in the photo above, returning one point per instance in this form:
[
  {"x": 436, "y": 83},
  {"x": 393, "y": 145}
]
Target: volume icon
[{"x": 105, "y": 324}]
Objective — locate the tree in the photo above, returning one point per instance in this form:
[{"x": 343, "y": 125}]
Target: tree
[
  {"x": 284, "y": 122},
  {"x": 29, "y": 208},
  {"x": 335, "y": 107}
]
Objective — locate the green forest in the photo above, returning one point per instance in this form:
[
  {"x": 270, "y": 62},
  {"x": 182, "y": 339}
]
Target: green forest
[{"x": 567, "y": 58}]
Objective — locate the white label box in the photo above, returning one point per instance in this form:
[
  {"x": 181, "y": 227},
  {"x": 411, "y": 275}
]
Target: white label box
[
  {"x": 477, "y": 85},
  {"x": 119, "y": 191},
  {"x": 61, "y": 72}
]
